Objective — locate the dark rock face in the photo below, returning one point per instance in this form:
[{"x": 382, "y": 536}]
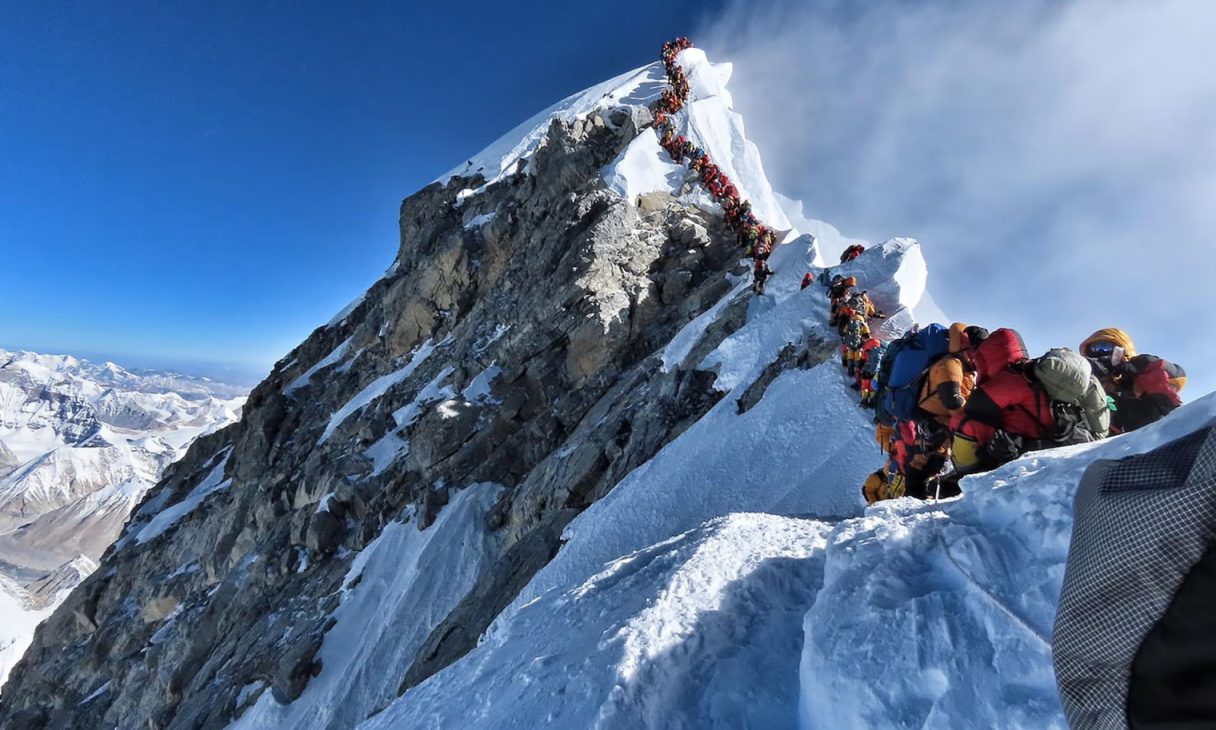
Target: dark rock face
[{"x": 563, "y": 296}]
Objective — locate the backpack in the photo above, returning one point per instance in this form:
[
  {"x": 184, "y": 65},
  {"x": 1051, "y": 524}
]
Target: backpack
[
  {"x": 873, "y": 361},
  {"x": 903, "y": 366},
  {"x": 857, "y": 302},
  {"x": 856, "y": 333},
  {"x": 1064, "y": 374},
  {"x": 1068, "y": 379}
]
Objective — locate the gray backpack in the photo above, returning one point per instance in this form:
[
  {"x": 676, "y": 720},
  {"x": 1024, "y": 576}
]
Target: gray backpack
[
  {"x": 854, "y": 333},
  {"x": 1068, "y": 378}
]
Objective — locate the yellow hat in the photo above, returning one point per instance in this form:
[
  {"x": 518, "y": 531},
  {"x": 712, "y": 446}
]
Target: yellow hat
[
  {"x": 1113, "y": 335},
  {"x": 1176, "y": 375}
]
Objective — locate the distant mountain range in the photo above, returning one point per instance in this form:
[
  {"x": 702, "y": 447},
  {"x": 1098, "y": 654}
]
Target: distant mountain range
[{"x": 80, "y": 444}]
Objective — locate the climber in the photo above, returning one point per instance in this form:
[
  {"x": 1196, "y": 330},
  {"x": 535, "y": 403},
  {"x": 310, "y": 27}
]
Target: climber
[
  {"x": 760, "y": 274},
  {"x": 871, "y": 358},
  {"x": 770, "y": 240},
  {"x": 919, "y": 455},
  {"x": 1142, "y": 388},
  {"x": 851, "y": 252},
  {"x": 883, "y": 484},
  {"x": 807, "y": 279},
  {"x": 907, "y": 359},
  {"x": 887, "y": 482},
  {"x": 861, "y": 304},
  {"x": 749, "y": 237},
  {"x": 950, "y": 380},
  {"x": 855, "y": 333},
  {"x": 1107, "y": 349},
  {"x": 873, "y": 489},
  {"x": 677, "y": 148},
  {"x": 1149, "y": 389},
  {"x": 1002, "y": 348},
  {"x": 837, "y": 292},
  {"x": 1028, "y": 405}
]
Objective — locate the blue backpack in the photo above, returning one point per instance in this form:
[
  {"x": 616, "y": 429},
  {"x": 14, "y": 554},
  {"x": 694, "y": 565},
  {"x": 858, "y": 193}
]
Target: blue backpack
[
  {"x": 869, "y": 369},
  {"x": 905, "y": 362}
]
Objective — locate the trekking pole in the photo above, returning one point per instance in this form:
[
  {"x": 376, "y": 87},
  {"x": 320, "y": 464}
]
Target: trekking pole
[{"x": 937, "y": 493}]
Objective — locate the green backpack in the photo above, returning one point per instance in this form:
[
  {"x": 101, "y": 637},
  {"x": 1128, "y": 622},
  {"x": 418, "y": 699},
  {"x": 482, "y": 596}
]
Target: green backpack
[{"x": 1068, "y": 378}]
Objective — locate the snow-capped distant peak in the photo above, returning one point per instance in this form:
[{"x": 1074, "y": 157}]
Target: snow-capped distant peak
[{"x": 80, "y": 445}]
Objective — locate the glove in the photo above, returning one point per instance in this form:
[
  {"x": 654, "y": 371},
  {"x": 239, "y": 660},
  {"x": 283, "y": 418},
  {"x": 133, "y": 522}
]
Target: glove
[{"x": 1003, "y": 447}]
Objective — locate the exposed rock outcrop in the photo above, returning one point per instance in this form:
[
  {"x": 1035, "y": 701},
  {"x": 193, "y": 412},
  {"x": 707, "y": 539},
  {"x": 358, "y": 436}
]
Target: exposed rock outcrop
[{"x": 511, "y": 342}]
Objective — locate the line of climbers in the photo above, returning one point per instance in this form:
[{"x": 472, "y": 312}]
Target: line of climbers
[
  {"x": 948, "y": 401},
  {"x": 755, "y": 237},
  {"x": 957, "y": 400}
]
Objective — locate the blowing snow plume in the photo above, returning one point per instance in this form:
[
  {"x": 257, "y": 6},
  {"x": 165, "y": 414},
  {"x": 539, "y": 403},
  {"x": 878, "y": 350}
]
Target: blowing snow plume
[{"x": 1054, "y": 158}]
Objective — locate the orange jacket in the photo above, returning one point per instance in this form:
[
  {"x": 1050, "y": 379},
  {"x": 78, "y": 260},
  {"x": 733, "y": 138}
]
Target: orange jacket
[{"x": 946, "y": 389}]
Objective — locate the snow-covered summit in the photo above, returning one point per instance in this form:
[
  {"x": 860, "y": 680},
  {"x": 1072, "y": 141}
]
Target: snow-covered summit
[{"x": 641, "y": 86}]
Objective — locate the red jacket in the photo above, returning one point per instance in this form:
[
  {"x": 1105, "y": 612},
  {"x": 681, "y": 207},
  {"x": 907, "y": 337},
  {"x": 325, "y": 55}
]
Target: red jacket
[
  {"x": 995, "y": 354},
  {"x": 1006, "y": 400}
]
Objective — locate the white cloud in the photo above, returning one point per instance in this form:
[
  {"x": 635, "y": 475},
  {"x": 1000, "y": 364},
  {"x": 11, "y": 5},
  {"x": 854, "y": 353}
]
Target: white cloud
[{"x": 1057, "y": 160}]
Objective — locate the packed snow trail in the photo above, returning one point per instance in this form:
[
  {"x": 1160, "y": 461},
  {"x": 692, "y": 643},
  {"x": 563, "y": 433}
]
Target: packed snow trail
[{"x": 699, "y": 630}]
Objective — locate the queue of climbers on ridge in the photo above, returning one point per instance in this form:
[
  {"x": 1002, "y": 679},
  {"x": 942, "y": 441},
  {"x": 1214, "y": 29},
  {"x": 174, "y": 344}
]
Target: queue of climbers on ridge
[
  {"x": 948, "y": 401},
  {"x": 757, "y": 239},
  {"x": 956, "y": 400}
]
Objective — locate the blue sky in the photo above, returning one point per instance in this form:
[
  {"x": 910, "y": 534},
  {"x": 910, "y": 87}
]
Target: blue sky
[
  {"x": 211, "y": 181},
  {"x": 207, "y": 182}
]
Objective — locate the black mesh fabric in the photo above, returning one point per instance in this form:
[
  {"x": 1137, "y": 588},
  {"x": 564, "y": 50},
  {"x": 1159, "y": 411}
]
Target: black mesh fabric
[
  {"x": 1140, "y": 525},
  {"x": 1173, "y": 678}
]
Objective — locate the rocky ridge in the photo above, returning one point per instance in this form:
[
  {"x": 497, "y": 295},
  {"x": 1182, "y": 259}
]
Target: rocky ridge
[{"x": 512, "y": 342}]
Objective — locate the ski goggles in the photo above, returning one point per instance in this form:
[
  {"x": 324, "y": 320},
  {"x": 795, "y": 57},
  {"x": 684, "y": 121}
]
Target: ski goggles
[{"x": 1100, "y": 349}]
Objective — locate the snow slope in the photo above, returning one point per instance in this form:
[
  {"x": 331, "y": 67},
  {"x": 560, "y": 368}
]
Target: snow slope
[
  {"x": 399, "y": 588},
  {"x": 700, "y": 629},
  {"x": 708, "y": 120},
  {"x": 18, "y": 619}
]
